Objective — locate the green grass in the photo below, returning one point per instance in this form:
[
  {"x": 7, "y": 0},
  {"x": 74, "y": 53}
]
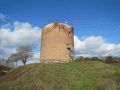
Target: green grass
[{"x": 67, "y": 76}]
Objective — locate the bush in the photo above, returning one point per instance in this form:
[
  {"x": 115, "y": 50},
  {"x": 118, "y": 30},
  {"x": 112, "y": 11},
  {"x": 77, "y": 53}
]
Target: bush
[
  {"x": 111, "y": 59},
  {"x": 94, "y": 59},
  {"x": 3, "y": 70}
]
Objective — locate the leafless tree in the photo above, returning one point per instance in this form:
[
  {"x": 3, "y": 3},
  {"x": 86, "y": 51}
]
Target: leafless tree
[
  {"x": 2, "y": 61},
  {"x": 24, "y": 52},
  {"x": 12, "y": 60}
]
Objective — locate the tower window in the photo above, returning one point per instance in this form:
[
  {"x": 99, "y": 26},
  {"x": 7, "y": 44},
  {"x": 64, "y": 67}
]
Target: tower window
[{"x": 69, "y": 34}]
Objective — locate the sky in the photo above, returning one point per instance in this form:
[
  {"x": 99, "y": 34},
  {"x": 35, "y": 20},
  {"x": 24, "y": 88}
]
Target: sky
[{"x": 96, "y": 23}]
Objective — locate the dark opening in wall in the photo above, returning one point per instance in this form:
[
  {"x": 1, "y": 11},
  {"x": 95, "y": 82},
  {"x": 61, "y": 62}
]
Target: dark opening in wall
[{"x": 68, "y": 34}]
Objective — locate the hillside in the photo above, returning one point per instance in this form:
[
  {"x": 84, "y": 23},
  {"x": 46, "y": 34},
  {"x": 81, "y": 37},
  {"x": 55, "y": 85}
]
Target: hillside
[
  {"x": 4, "y": 70},
  {"x": 68, "y": 76}
]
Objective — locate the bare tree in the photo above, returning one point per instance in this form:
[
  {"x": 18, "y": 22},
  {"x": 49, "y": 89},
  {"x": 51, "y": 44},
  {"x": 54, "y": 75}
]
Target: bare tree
[
  {"x": 24, "y": 52},
  {"x": 9, "y": 63},
  {"x": 12, "y": 60},
  {"x": 2, "y": 61}
]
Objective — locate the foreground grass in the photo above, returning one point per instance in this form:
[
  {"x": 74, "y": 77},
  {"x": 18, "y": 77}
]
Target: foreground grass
[{"x": 68, "y": 76}]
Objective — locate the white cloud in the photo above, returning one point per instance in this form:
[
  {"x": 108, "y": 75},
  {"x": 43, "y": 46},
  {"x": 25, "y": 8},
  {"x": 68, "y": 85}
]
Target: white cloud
[
  {"x": 2, "y": 17},
  {"x": 35, "y": 58},
  {"x": 95, "y": 46},
  {"x": 5, "y": 19},
  {"x": 25, "y": 33},
  {"x": 22, "y": 33}
]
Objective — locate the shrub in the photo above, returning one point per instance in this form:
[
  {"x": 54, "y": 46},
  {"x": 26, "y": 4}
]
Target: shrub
[{"x": 111, "y": 59}]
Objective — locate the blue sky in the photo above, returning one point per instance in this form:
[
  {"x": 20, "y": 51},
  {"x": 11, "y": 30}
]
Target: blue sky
[
  {"x": 96, "y": 24},
  {"x": 88, "y": 17}
]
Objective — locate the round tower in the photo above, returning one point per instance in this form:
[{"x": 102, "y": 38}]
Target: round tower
[{"x": 57, "y": 43}]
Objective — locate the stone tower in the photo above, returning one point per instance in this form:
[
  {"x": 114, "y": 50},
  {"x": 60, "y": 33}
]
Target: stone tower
[{"x": 57, "y": 43}]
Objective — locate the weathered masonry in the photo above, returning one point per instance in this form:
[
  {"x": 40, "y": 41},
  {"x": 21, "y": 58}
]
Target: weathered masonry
[{"x": 57, "y": 43}]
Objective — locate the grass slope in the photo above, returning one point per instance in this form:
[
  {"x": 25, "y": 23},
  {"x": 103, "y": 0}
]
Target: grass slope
[{"x": 68, "y": 76}]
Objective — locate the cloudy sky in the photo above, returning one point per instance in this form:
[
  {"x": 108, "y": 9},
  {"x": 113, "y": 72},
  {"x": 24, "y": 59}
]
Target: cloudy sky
[{"x": 96, "y": 24}]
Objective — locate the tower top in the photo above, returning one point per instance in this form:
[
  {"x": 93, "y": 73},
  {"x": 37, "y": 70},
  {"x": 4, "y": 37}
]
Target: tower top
[{"x": 53, "y": 25}]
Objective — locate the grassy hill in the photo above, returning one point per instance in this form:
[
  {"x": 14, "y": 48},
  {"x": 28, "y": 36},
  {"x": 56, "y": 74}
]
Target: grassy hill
[{"x": 68, "y": 76}]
